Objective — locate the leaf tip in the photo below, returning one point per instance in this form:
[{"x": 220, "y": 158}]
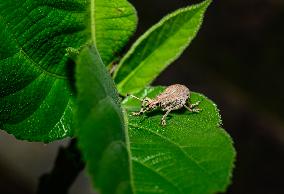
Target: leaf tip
[{"x": 206, "y": 3}]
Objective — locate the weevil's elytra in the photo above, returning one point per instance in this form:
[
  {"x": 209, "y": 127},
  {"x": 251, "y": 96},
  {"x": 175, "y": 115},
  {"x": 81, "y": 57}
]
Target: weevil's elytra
[{"x": 173, "y": 98}]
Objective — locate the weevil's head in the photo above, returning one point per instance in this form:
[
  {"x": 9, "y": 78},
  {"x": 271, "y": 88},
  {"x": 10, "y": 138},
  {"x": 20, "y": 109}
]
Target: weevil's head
[{"x": 149, "y": 104}]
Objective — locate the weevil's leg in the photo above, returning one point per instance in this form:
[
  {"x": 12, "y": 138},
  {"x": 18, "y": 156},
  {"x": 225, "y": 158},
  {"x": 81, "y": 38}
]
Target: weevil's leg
[
  {"x": 142, "y": 110},
  {"x": 194, "y": 105},
  {"x": 113, "y": 68},
  {"x": 188, "y": 108},
  {"x": 163, "y": 121},
  {"x": 132, "y": 96},
  {"x": 147, "y": 99},
  {"x": 192, "y": 109}
]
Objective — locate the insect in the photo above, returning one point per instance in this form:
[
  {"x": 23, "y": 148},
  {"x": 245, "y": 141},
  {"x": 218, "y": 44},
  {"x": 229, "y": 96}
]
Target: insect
[{"x": 173, "y": 98}]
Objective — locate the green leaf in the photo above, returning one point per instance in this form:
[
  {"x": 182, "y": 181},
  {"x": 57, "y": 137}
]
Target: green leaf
[
  {"x": 115, "y": 22},
  {"x": 100, "y": 123},
  {"x": 192, "y": 154},
  {"x": 158, "y": 48},
  {"x": 35, "y": 98}
]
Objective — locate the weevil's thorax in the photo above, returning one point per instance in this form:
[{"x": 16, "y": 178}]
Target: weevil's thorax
[{"x": 174, "y": 97}]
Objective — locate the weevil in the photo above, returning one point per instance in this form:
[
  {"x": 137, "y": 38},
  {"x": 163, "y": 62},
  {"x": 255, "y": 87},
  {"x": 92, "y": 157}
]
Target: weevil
[{"x": 174, "y": 97}]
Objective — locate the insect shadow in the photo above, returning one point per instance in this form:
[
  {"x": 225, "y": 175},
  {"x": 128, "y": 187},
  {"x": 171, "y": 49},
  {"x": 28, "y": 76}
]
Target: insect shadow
[
  {"x": 161, "y": 113},
  {"x": 151, "y": 114}
]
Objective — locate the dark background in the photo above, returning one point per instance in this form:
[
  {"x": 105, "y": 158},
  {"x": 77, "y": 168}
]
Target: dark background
[{"x": 237, "y": 61}]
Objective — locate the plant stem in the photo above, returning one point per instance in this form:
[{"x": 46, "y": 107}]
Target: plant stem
[{"x": 67, "y": 166}]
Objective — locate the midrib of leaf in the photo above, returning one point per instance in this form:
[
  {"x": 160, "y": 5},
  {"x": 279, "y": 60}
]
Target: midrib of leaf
[
  {"x": 127, "y": 142},
  {"x": 141, "y": 65},
  {"x": 122, "y": 16},
  {"x": 21, "y": 50},
  {"x": 161, "y": 175},
  {"x": 93, "y": 23}
]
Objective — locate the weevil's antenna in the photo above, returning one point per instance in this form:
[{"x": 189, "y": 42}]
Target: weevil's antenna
[{"x": 132, "y": 96}]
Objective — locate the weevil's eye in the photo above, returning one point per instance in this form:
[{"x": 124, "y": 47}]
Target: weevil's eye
[
  {"x": 145, "y": 102},
  {"x": 154, "y": 106}
]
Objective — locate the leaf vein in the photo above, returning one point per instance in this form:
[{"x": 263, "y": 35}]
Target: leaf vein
[
  {"x": 115, "y": 17},
  {"x": 161, "y": 175},
  {"x": 175, "y": 144},
  {"x": 21, "y": 50}
]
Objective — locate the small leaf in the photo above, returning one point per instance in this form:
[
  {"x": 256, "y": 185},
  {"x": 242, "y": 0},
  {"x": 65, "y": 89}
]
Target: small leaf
[
  {"x": 158, "y": 48},
  {"x": 100, "y": 123},
  {"x": 192, "y": 154},
  {"x": 36, "y": 39}
]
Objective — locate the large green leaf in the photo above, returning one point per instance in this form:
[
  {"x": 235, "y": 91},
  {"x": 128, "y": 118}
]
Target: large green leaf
[
  {"x": 100, "y": 123},
  {"x": 35, "y": 97},
  {"x": 158, "y": 47},
  {"x": 192, "y": 154}
]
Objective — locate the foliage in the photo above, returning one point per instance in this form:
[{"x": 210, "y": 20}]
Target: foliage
[
  {"x": 47, "y": 46},
  {"x": 158, "y": 47},
  {"x": 100, "y": 123},
  {"x": 36, "y": 99},
  {"x": 191, "y": 154}
]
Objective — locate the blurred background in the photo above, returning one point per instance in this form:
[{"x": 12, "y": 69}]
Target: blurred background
[{"x": 237, "y": 60}]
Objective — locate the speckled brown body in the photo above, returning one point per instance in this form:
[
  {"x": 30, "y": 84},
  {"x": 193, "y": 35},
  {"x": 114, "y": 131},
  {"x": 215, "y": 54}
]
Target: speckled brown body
[{"x": 173, "y": 98}]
